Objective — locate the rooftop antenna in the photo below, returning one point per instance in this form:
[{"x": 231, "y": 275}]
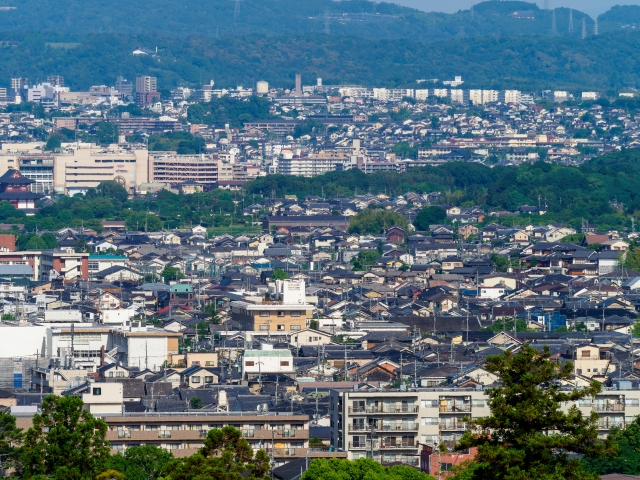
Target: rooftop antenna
[
  {"x": 571, "y": 20},
  {"x": 584, "y": 28}
]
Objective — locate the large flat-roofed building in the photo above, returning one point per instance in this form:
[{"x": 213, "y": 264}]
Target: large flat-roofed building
[
  {"x": 390, "y": 425},
  {"x": 284, "y": 435},
  {"x": 169, "y": 167},
  {"x": 286, "y": 311},
  {"x": 89, "y": 165},
  {"x": 150, "y": 126}
]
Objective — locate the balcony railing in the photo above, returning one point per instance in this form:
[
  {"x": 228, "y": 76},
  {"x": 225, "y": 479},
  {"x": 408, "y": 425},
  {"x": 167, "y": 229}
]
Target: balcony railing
[
  {"x": 406, "y": 459},
  {"x": 358, "y": 427},
  {"x": 388, "y": 445},
  {"x": 164, "y": 433},
  {"x": 453, "y": 426},
  {"x": 289, "y": 433},
  {"x": 361, "y": 446},
  {"x": 248, "y": 433},
  {"x": 384, "y": 409},
  {"x": 605, "y": 424},
  {"x": 455, "y": 408},
  {"x": 608, "y": 407},
  {"x": 124, "y": 434},
  {"x": 399, "y": 427}
]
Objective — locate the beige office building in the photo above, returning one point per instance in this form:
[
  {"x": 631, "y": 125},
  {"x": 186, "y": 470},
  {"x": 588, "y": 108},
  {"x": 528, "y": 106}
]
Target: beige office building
[{"x": 89, "y": 165}]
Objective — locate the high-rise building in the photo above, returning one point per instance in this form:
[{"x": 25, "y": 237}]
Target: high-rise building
[
  {"x": 124, "y": 86},
  {"x": 18, "y": 84},
  {"x": 146, "y": 84},
  {"x": 298, "y": 84},
  {"x": 56, "y": 80}
]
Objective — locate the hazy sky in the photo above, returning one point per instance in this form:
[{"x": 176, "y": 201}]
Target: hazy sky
[{"x": 592, "y": 7}]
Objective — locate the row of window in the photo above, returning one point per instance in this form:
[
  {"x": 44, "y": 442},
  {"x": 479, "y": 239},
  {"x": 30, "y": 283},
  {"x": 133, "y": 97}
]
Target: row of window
[
  {"x": 138, "y": 427},
  {"x": 280, "y": 327},
  {"x": 251, "y": 363},
  {"x": 267, "y": 313}
]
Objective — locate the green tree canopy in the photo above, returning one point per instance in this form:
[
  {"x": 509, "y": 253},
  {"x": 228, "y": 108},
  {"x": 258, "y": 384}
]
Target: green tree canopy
[
  {"x": 65, "y": 442},
  {"x": 140, "y": 463},
  {"x": 279, "y": 274},
  {"x": 527, "y": 435},
  {"x": 360, "y": 469},
  {"x": 375, "y": 221},
  {"x": 626, "y": 460},
  {"x": 226, "y": 455},
  {"x": 429, "y": 216},
  {"x": 171, "y": 273}
]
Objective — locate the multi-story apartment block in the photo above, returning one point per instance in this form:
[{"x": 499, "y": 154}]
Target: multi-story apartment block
[
  {"x": 283, "y": 436},
  {"x": 146, "y": 84},
  {"x": 168, "y": 167},
  {"x": 390, "y": 425}
]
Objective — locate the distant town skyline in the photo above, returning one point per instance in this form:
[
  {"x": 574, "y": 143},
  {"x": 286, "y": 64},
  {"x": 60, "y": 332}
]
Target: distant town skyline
[{"x": 592, "y": 7}]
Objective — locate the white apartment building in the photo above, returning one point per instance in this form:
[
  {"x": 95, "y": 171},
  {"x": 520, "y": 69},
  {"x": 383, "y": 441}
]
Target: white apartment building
[
  {"x": 169, "y": 167},
  {"x": 388, "y": 425},
  {"x": 457, "y": 95},
  {"x": 314, "y": 164},
  {"x": 422, "y": 94},
  {"x": 440, "y": 92},
  {"x": 392, "y": 94},
  {"x": 512, "y": 96}
]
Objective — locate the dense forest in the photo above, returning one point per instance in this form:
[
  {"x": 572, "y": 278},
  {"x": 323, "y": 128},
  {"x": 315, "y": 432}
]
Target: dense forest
[
  {"x": 572, "y": 195},
  {"x": 527, "y": 63},
  {"x": 276, "y": 17}
]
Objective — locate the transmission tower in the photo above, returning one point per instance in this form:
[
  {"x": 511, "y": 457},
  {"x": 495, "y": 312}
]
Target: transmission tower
[
  {"x": 584, "y": 28},
  {"x": 326, "y": 23},
  {"x": 546, "y": 5},
  {"x": 595, "y": 27},
  {"x": 554, "y": 29},
  {"x": 236, "y": 9},
  {"x": 571, "y": 20}
]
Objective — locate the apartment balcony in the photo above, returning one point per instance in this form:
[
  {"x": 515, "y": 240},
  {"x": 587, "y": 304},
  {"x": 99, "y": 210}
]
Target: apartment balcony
[
  {"x": 362, "y": 446},
  {"x": 359, "y": 427},
  {"x": 609, "y": 423},
  {"x": 448, "y": 426},
  {"x": 608, "y": 407},
  {"x": 399, "y": 427},
  {"x": 383, "y": 409},
  {"x": 457, "y": 408},
  {"x": 397, "y": 445},
  {"x": 164, "y": 433},
  {"x": 405, "y": 459},
  {"x": 124, "y": 434},
  {"x": 450, "y": 444}
]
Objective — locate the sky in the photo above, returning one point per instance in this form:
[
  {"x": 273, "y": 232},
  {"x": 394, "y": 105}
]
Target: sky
[{"x": 592, "y": 7}]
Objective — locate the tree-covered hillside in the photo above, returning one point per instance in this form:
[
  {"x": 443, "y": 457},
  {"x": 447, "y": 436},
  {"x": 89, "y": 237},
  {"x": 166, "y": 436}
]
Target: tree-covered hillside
[
  {"x": 276, "y": 17},
  {"x": 527, "y": 63},
  {"x": 572, "y": 195}
]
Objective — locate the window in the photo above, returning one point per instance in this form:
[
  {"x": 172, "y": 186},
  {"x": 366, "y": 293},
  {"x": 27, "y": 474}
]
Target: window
[
  {"x": 281, "y": 314},
  {"x": 445, "y": 467},
  {"x": 208, "y": 379},
  {"x": 478, "y": 403},
  {"x": 429, "y": 403},
  {"x": 97, "y": 391},
  {"x": 249, "y": 363},
  {"x": 264, "y": 327},
  {"x": 295, "y": 314},
  {"x": 209, "y": 363},
  {"x": 120, "y": 374},
  {"x": 195, "y": 379},
  {"x": 632, "y": 402},
  {"x": 311, "y": 339},
  {"x": 264, "y": 313},
  {"x": 295, "y": 327},
  {"x": 110, "y": 374},
  {"x": 284, "y": 363},
  {"x": 195, "y": 362},
  {"x": 586, "y": 353},
  {"x": 280, "y": 327}
]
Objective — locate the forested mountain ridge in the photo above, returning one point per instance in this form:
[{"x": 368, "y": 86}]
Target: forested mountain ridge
[
  {"x": 524, "y": 63},
  {"x": 277, "y": 17}
]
